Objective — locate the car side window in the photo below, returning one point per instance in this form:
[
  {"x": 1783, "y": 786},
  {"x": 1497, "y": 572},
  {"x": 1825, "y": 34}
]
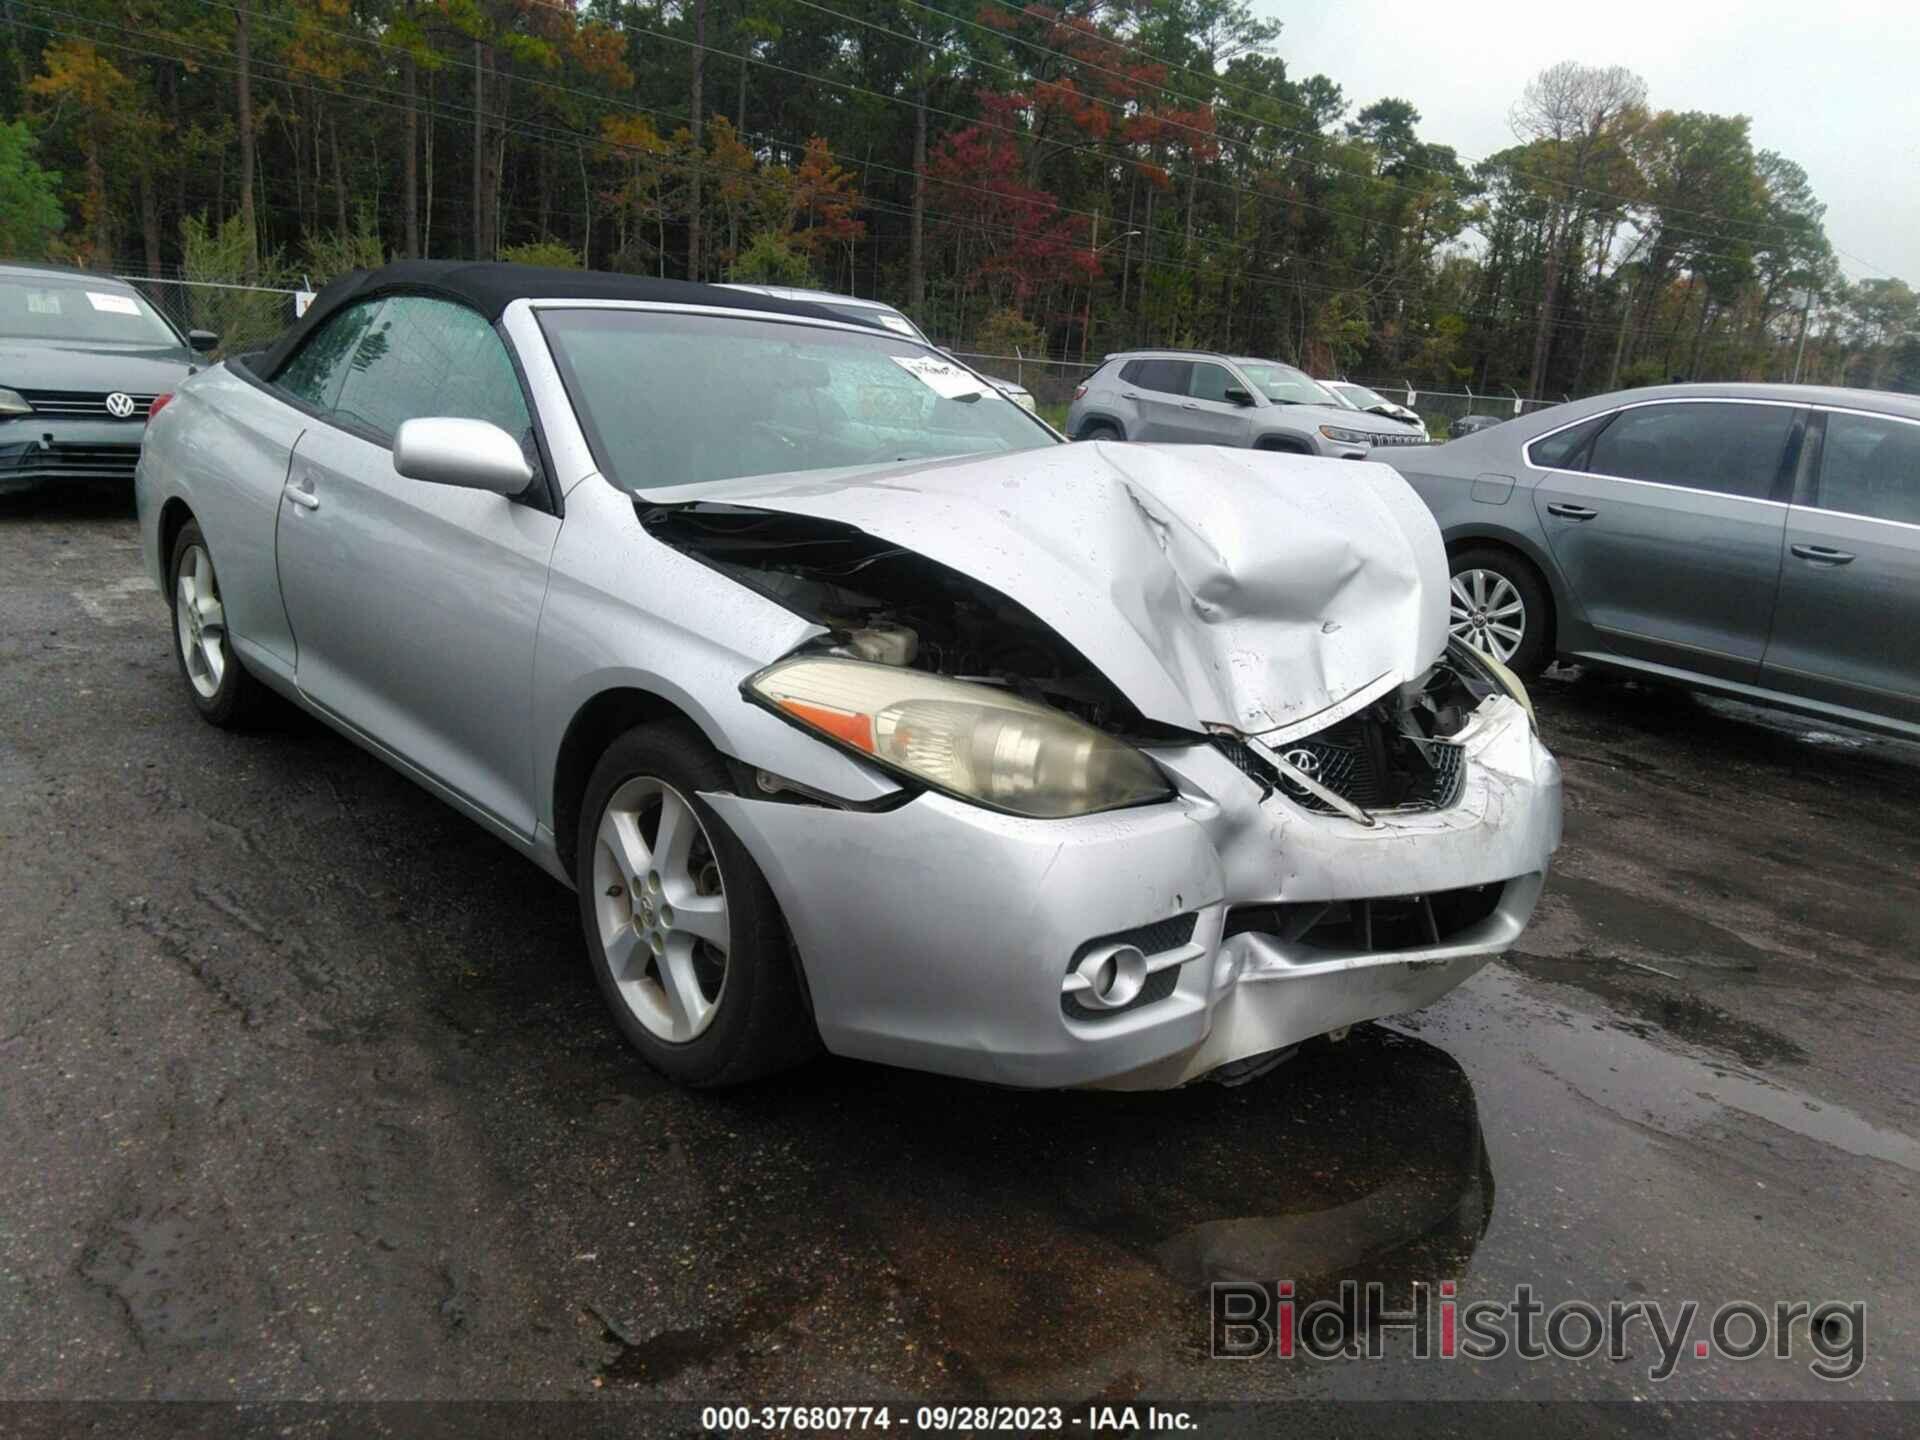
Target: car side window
[
  {"x": 1169, "y": 377},
  {"x": 314, "y": 374},
  {"x": 1566, "y": 449},
  {"x": 1210, "y": 382},
  {"x": 1870, "y": 465},
  {"x": 424, "y": 357},
  {"x": 1723, "y": 447}
]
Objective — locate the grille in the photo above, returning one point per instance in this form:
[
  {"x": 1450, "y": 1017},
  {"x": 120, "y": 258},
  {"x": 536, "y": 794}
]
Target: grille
[
  {"x": 110, "y": 462},
  {"x": 82, "y": 404},
  {"x": 1365, "y": 762},
  {"x": 1375, "y": 441},
  {"x": 1374, "y": 925},
  {"x": 1149, "y": 940}
]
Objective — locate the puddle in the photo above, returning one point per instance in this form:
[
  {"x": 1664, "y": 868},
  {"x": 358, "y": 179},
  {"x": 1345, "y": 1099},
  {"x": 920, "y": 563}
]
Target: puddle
[
  {"x": 1017, "y": 1242},
  {"x": 1681, "y": 1095},
  {"x": 1614, "y": 918},
  {"x": 1645, "y": 1005}
]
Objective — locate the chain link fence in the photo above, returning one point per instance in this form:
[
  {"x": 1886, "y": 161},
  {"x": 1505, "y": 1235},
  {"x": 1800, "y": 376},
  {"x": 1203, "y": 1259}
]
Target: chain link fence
[
  {"x": 1051, "y": 381},
  {"x": 1441, "y": 409},
  {"x": 245, "y": 317}
]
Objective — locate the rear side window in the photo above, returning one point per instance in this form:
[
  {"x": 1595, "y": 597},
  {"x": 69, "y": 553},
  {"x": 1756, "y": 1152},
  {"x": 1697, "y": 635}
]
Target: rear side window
[
  {"x": 314, "y": 374},
  {"x": 424, "y": 357},
  {"x": 1722, "y": 447},
  {"x": 1567, "y": 449},
  {"x": 1168, "y": 376},
  {"x": 1870, "y": 465}
]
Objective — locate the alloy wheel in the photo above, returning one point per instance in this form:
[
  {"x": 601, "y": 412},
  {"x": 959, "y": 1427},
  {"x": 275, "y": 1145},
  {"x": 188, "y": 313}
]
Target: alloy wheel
[
  {"x": 661, "y": 908},
  {"x": 1487, "y": 612},
  {"x": 200, "y": 622}
]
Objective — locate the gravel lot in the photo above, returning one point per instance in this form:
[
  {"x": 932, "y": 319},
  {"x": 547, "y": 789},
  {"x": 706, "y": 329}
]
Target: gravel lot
[{"x": 307, "y": 1093}]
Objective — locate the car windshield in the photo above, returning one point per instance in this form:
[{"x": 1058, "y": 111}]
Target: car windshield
[
  {"x": 96, "y": 311},
  {"x": 1361, "y": 396},
  {"x": 679, "y": 398},
  {"x": 1285, "y": 385}
]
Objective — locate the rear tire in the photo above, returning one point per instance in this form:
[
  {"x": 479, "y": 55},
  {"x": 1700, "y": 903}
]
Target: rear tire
[
  {"x": 217, "y": 683},
  {"x": 1493, "y": 593},
  {"x": 1100, "y": 430},
  {"x": 683, "y": 932}
]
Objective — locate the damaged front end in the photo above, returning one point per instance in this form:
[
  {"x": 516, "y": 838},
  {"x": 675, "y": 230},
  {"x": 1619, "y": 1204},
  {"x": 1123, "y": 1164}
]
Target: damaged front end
[{"x": 1177, "y": 794}]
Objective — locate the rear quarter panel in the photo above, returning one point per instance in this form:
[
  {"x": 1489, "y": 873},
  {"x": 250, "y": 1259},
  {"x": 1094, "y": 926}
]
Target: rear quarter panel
[{"x": 223, "y": 447}]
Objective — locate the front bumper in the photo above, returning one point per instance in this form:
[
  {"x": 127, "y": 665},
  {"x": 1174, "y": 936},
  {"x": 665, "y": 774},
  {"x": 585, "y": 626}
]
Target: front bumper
[
  {"x": 941, "y": 936},
  {"x": 37, "y": 449}
]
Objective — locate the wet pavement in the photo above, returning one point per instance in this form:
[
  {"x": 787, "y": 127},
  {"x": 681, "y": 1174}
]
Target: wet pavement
[{"x": 306, "y": 1093}]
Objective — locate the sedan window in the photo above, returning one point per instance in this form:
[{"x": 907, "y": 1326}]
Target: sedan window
[
  {"x": 1566, "y": 449},
  {"x": 1725, "y": 448},
  {"x": 423, "y": 357},
  {"x": 671, "y": 398},
  {"x": 1870, "y": 465}
]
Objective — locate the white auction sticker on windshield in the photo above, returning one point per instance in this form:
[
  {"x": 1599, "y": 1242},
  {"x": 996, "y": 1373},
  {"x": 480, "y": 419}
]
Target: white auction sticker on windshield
[
  {"x": 943, "y": 377},
  {"x": 113, "y": 304}
]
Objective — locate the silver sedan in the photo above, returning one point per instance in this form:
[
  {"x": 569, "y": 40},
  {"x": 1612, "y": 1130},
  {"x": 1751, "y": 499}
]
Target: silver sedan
[{"x": 858, "y": 711}]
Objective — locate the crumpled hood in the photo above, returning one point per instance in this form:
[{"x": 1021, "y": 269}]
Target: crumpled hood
[
  {"x": 96, "y": 368},
  {"x": 1365, "y": 421},
  {"x": 1227, "y": 588}
]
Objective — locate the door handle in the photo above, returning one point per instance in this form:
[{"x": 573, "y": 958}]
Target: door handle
[
  {"x": 1128, "y": 395},
  {"x": 1571, "y": 512},
  {"x": 1189, "y": 405},
  {"x": 1822, "y": 554},
  {"x": 302, "y": 495}
]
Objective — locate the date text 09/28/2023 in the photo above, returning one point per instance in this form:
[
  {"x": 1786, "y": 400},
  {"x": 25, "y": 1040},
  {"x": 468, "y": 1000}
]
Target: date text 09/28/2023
[{"x": 723, "y": 1419}]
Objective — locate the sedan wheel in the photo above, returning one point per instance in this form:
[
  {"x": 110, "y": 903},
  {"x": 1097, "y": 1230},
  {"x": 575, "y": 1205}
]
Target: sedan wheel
[
  {"x": 1488, "y": 612},
  {"x": 683, "y": 932},
  {"x": 662, "y": 909}
]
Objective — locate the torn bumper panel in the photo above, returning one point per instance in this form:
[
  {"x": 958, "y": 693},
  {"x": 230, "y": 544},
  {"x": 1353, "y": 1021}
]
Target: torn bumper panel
[{"x": 1143, "y": 948}]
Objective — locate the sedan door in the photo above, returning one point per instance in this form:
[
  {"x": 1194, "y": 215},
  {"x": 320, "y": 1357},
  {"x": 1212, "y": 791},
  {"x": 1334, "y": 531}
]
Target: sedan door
[
  {"x": 1668, "y": 524},
  {"x": 414, "y": 606},
  {"x": 1847, "y": 628}
]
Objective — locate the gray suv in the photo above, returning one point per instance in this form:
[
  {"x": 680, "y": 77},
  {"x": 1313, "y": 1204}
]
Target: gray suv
[
  {"x": 1198, "y": 398},
  {"x": 1761, "y": 541}
]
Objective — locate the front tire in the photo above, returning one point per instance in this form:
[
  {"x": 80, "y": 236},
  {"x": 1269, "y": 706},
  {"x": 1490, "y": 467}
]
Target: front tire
[
  {"x": 1498, "y": 605},
  {"x": 683, "y": 932},
  {"x": 217, "y": 683}
]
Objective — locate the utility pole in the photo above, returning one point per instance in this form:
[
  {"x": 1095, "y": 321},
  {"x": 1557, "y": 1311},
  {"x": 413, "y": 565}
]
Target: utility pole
[
  {"x": 1806, "y": 312},
  {"x": 1086, "y": 316}
]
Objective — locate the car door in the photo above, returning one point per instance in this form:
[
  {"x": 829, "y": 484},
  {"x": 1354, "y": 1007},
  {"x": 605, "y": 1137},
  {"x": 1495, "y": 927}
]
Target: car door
[
  {"x": 1157, "y": 390},
  {"x": 1667, "y": 524},
  {"x": 1207, "y": 417},
  {"x": 1847, "y": 626},
  {"x": 414, "y": 606}
]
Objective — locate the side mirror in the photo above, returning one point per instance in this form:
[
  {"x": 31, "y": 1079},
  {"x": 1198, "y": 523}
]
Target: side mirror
[
  {"x": 470, "y": 454},
  {"x": 1237, "y": 396},
  {"x": 203, "y": 340}
]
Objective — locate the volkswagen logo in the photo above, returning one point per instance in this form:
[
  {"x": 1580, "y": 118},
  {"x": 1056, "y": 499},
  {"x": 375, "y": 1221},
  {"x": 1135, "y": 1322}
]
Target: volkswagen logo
[
  {"x": 120, "y": 406},
  {"x": 1306, "y": 761}
]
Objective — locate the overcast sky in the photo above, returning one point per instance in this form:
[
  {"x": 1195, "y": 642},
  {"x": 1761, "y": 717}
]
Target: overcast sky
[{"x": 1833, "y": 84}]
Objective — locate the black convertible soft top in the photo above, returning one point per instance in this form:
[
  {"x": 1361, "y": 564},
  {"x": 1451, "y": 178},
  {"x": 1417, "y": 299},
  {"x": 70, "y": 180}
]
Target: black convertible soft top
[{"x": 489, "y": 287}]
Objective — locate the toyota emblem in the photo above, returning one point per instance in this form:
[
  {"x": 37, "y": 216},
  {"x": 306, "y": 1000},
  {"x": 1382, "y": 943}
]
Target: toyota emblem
[
  {"x": 1306, "y": 761},
  {"x": 120, "y": 406}
]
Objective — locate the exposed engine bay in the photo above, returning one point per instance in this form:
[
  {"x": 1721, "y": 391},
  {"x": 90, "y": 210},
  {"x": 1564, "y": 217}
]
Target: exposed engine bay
[{"x": 887, "y": 604}]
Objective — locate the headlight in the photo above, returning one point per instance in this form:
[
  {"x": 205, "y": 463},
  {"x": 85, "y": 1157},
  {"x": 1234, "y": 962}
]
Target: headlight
[
  {"x": 1342, "y": 436},
  {"x": 971, "y": 741},
  {"x": 13, "y": 403},
  {"x": 1503, "y": 677}
]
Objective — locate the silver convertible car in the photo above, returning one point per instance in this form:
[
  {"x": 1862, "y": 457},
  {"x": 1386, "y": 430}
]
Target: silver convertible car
[{"x": 858, "y": 709}]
